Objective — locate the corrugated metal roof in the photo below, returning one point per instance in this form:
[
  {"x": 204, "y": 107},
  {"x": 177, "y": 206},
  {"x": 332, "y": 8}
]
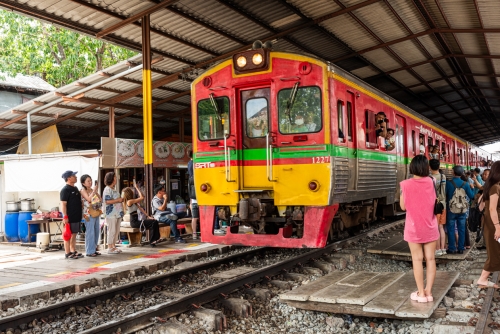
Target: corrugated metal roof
[
  {"x": 25, "y": 82},
  {"x": 399, "y": 47}
]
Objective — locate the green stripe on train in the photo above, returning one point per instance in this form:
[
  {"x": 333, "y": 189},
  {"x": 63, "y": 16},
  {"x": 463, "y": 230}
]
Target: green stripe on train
[{"x": 305, "y": 152}]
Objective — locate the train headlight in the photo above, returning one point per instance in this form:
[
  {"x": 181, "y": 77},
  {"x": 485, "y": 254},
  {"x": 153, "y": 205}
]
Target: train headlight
[
  {"x": 205, "y": 187},
  {"x": 257, "y": 59},
  {"x": 241, "y": 61},
  {"x": 251, "y": 61},
  {"x": 314, "y": 185}
]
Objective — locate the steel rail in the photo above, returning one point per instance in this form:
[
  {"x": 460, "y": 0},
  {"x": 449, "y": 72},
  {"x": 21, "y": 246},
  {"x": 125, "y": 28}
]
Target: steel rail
[
  {"x": 26, "y": 317},
  {"x": 485, "y": 310},
  {"x": 197, "y": 298},
  {"x": 135, "y": 321}
]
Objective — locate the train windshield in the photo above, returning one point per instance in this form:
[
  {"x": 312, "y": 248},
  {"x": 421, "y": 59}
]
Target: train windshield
[
  {"x": 305, "y": 113},
  {"x": 213, "y": 118}
]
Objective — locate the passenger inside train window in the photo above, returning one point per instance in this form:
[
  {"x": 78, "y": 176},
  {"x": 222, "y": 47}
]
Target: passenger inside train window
[
  {"x": 381, "y": 124},
  {"x": 256, "y": 117},
  {"x": 421, "y": 146},
  {"x": 299, "y": 125},
  {"x": 434, "y": 152},
  {"x": 389, "y": 140},
  {"x": 310, "y": 125},
  {"x": 213, "y": 118},
  {"x": 302, "y": 113}
]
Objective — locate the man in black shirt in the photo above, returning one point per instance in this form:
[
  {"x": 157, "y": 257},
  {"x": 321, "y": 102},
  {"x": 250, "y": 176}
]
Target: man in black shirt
[{"x": 71, "y": 207}]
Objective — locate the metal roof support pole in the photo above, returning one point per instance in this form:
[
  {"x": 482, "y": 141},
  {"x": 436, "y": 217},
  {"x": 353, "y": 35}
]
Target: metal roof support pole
[
  {"x": 181, "y": 129},
  {"x": 147, "y": 113},
  {"x": 28, "y": 120},
  {"x": 111, "y": 122}
]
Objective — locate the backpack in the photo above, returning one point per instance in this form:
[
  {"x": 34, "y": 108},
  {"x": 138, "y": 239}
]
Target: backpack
[
  {"x": 475, "y": 216},
  {"x": 459, "y": 202}
]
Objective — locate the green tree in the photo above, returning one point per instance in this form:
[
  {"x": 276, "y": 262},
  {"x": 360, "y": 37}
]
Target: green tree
[{"x": 59, "y": 56}]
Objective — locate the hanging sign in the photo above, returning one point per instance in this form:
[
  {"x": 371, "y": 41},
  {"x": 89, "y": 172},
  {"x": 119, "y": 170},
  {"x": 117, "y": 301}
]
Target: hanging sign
[{"x": 130, "y": 153}]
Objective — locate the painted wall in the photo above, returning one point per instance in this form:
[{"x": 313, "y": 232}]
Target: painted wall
[{"x": 10, "y": 100}]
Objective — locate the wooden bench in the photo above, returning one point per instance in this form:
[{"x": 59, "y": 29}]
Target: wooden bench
[
  {"x": 135, "y": 236},
  {"x": 165, "y": 228}
]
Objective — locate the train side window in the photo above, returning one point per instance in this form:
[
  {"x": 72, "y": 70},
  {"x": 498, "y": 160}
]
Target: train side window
[
  {"x": 429, "y": 141},
  {"x": 444, "y": 152},
  {"x": 371, "y": 136},
  {"x": 340, "y": 120},
  {"x": 349, "y": 121},
  {"x": 257, "y": 117},
  {"x": 421, "y": 144},
  {"x": 412, "y": 144},
  {"x": 303, "y": 114},
  {"x": 213, "y": 118}
]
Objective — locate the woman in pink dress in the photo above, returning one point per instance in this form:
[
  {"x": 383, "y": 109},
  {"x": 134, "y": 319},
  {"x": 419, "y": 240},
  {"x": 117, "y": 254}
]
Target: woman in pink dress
[{"x": 421, "y": 228}]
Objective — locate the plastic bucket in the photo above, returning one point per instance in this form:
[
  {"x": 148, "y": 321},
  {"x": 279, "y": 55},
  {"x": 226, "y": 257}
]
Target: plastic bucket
[
  {"x": 11, "y": 226},
  {"x": 23, "y": 227}
]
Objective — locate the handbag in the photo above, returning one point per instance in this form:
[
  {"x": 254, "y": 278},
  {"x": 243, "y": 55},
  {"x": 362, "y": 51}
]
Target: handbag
[
  {"x": 67, "y": 232},
  {"x": 94, "y": 213},
  {"x": 438, "y": 206}
]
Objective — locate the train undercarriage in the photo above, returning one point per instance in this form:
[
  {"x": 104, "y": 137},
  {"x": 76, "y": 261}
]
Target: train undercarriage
[{"x": 289, "y": 226}]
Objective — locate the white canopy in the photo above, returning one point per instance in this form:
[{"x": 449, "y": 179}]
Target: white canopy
[{"x": 44, "y": 174}]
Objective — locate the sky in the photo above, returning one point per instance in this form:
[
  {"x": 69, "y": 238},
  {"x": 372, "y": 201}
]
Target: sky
[{"x": 492, "y": 148}]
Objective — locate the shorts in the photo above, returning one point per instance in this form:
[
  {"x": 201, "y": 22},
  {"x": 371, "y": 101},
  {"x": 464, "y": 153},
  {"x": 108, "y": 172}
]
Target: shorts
[
  {"x": 441, "y": 218},
  {"x": 195, "y": 210},
  {"x": 75, "y": 227}
]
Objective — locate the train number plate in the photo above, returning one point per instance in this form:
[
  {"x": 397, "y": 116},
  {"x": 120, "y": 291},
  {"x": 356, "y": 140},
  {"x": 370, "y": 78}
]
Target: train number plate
[{"x": 320, "y": 160}]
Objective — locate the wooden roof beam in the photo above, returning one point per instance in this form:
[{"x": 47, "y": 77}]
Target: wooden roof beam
[{"x": 135, "y": 17}]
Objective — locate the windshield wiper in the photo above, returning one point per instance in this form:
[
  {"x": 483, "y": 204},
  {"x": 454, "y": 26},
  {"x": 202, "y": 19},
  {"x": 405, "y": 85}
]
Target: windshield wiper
[
  {"x": 291, "y": 101},
  {"x": 216, "y": 107}
]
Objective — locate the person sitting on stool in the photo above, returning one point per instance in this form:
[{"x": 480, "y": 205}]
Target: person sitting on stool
[
  {"x": 164, "y": 214},
  {"x": 133, "y": 207}
]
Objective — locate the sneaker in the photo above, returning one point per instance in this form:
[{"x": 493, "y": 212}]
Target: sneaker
[
  {"x": 180, "y": 241},
  {"x": 171, "y": 216},
  {"x": 438, "y": 253},
  {"x": 113, "y": 251},
  {"x": 195, "y": 237}
]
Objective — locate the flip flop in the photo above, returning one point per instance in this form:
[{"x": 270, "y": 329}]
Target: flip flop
[
  {"x": 97, "y": 253},
  {"x": 91, "y": 255}
]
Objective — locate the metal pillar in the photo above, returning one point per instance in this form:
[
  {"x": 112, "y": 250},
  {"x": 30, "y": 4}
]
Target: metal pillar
[
  {"x": 181, "y": 129},
  {"x": 28, "y": 119},
  {"x": 147, "y": 114},
  {"x": 111, "y": 122}
]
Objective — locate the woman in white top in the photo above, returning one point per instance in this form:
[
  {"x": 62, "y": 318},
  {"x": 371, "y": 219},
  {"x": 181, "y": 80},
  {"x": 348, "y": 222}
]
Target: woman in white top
[{"x": 91, "y": 204}]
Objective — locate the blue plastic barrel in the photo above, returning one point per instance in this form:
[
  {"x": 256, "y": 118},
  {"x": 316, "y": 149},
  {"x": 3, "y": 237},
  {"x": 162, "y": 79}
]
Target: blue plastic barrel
[
  {"x": 11, "y": 226},
  {"x": 23, "y": 226}
]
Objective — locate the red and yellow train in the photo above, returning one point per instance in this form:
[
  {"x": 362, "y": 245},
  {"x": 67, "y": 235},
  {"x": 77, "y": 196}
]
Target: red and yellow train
[{"x": 297, "y": 149}]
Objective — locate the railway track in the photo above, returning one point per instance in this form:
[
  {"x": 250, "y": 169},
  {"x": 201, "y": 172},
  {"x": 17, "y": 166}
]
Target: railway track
[{"x": 166, "y": 304}]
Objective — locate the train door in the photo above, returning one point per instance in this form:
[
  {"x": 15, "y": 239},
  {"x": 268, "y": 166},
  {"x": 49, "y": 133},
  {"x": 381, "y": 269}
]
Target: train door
[
  {"x": 255, "y": 124},
  {"x": 351, "y": 140},
  {"x": 400, "y": 135}
]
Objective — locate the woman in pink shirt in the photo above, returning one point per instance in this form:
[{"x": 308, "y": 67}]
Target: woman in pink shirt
[{"x": 421, "y": 228}]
